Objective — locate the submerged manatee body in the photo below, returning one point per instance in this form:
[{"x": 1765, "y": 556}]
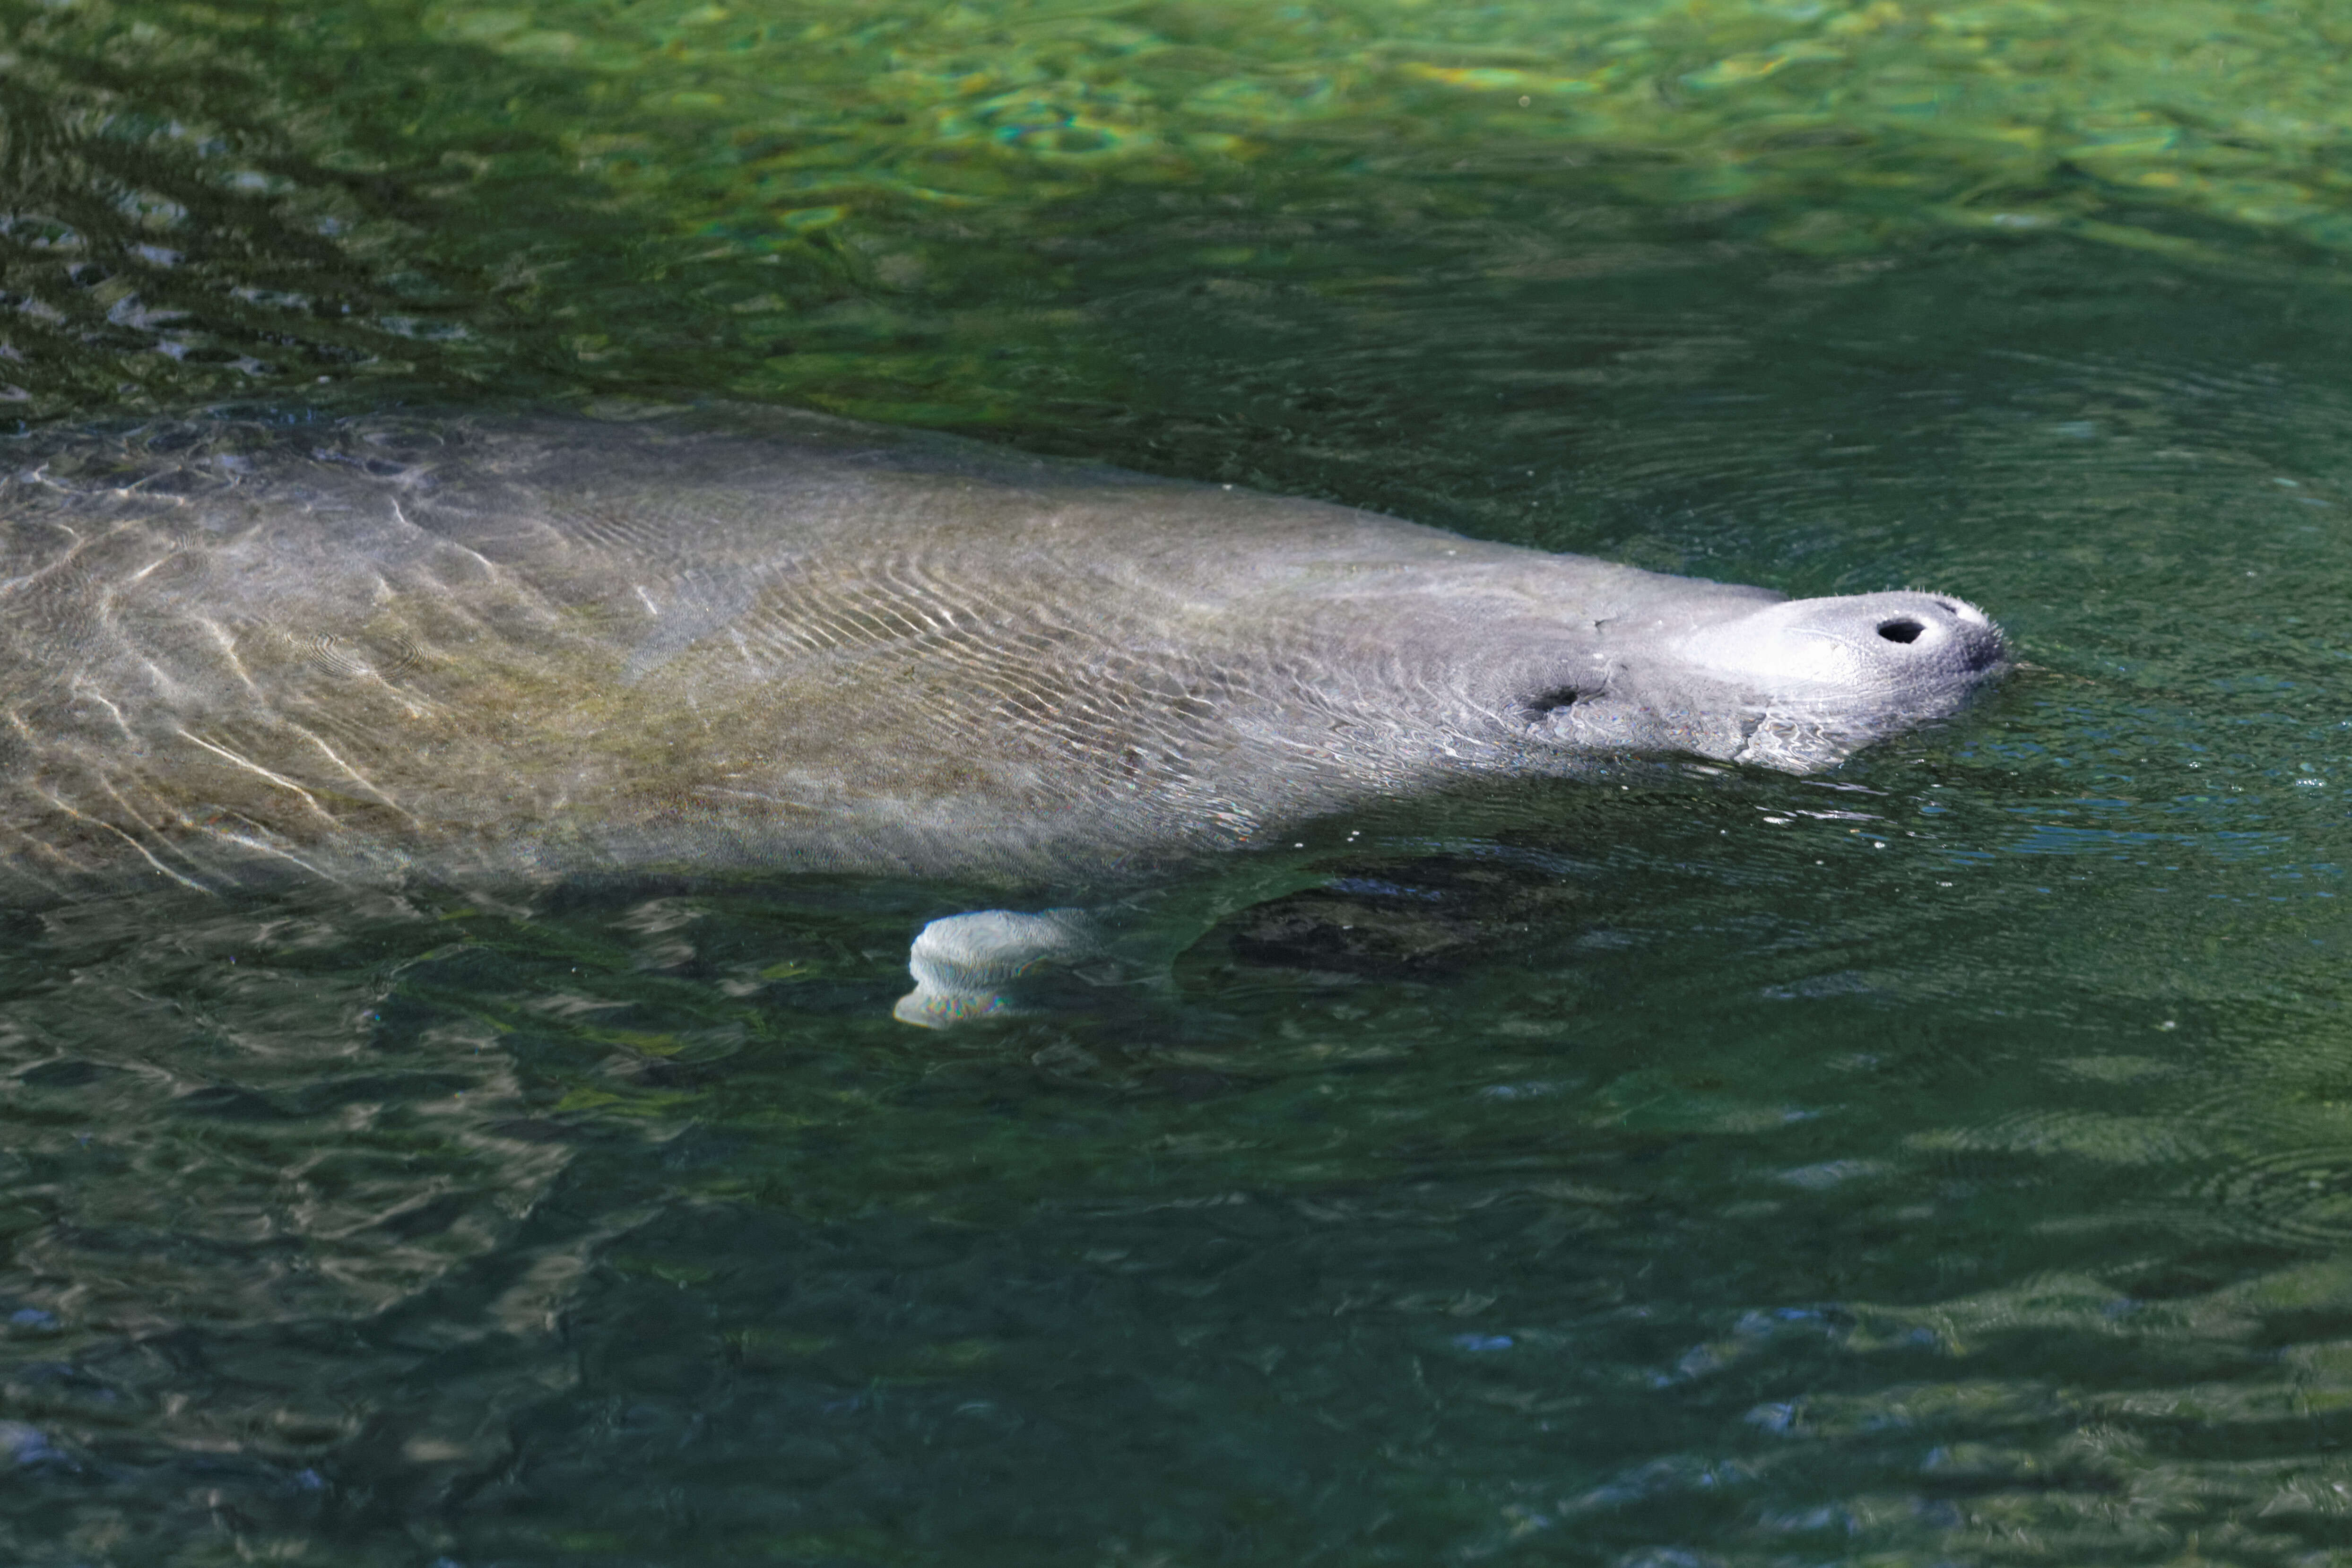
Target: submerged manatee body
[{"x": 528, "y": 647}]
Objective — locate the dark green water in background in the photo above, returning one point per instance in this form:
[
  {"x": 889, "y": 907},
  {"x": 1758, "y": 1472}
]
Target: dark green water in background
[{"x": 1948, "y": 1162}]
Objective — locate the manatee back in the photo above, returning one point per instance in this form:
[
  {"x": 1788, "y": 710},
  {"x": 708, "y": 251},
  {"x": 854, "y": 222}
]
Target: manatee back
[{"x": 528, "y": 644}]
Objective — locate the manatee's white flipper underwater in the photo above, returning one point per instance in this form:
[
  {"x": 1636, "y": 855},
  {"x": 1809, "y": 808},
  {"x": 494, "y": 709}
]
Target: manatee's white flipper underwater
[
  {"x": 992, "y": 963},
  {"x": 485, "y": 650}
]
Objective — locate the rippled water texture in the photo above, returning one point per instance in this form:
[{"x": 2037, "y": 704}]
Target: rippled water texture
[{"x": 1945, "y": 1161}]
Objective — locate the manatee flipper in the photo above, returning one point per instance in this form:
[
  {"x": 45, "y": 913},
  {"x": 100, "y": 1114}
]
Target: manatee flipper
[{"x": 999, "y": 963}]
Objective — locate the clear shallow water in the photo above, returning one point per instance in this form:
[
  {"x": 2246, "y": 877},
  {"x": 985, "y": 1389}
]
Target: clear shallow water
[{"x": 1676, "y": 1176}]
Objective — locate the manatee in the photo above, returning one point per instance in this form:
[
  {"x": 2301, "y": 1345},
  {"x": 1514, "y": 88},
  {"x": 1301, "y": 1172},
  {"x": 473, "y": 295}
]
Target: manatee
[{"x": 525, "y": 647}]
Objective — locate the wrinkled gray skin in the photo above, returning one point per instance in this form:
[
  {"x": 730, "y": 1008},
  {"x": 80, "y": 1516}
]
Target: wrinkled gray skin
[{"x": 524, "y": 648}]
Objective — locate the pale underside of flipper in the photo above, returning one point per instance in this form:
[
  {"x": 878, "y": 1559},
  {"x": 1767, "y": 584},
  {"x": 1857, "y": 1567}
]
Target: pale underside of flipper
[{"x": 1000, "y": 963}]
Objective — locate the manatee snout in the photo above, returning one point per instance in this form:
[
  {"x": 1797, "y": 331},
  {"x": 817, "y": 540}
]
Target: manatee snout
[
  {"x": 1902, "y": 647},
  {"x": 1823, "y": 677},
  {"x": 1797, "y": 684}
]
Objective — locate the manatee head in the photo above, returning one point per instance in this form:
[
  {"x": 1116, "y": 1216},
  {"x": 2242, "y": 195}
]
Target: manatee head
[{"x": 1797, "y": 684}]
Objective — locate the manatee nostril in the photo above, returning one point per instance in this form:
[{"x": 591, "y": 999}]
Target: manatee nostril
[
  {"x": 1903, "y": 629},
  {"x": 1947, "y": 608}
]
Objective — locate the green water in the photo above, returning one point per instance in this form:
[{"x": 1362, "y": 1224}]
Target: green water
[{"x": 1945, "y": 1162}]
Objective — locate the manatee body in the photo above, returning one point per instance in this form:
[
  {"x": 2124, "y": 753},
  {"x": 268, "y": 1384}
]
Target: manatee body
[{"x": 734, "y": 638}]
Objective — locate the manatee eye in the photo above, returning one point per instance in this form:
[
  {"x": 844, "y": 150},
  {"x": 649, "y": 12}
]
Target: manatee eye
[
  {"x": 1903, "y": 630},
  {"x": 1560, "y": 700}
]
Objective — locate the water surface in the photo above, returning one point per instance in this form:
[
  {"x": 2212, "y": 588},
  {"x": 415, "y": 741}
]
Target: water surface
[{"x": 1948, "y": 1160}]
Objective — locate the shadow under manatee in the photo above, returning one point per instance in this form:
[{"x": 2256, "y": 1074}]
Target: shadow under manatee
[{"x": 1420, "y": 918}]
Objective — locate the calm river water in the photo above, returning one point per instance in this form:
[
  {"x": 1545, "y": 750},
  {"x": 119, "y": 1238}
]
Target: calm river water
[{"x": 1945, "y": 1161}]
